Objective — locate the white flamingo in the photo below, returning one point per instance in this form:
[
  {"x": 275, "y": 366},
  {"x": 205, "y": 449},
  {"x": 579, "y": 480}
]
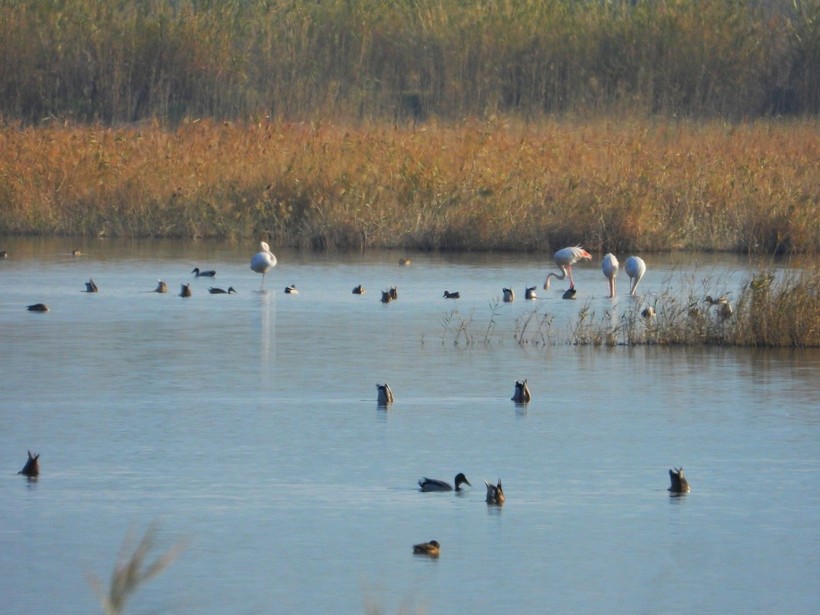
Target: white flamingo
[
  {"x": 565, "y": 258},
  {"x": 635, "y": 268},
  {"x": 610, "y": 267},
  {"x": 263, "y": 261}
]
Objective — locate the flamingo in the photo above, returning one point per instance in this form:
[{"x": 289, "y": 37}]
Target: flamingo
[
  {"x": 565, "y": 258},
  {"x": 610, "y": 268},
  {"x": 635, "y": 268},
  {"x": 263, "y": 261}
]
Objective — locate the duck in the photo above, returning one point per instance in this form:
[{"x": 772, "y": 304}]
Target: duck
[
  {"x": 522, "y": 392},
  {"x": 291, "y": 290},
  {"x": 221, "y": 291},
  {"x": 529, "y": 293},
  {"x": 405, "y": 262},
  {"x": 509, "y": 295},
  {"x": 431, "y": 549},
  {"x": 679, "y": 482},
  {"x": 4, "y": 254},
  {"x": 204, "y": 274},
  {"x": 162, "y": 287},
  {"x": 185, "y": 291},
  {"x": 91, "y": 287},
  {"x": 76, "y": 252},
  {"x": 495, "y": 494},
  {"x": 394, "y": 293},
  {"x": 386, "y": 296},
  {"x": 385, "y": 394},
  {"x": 432, "y": 484},
  {"x": 37, "y": 307},
  {"x": 32, "y": 467},
  {"x": 453, "y": 295},
  {"x": 358, "y": 290},
  {"x": 724, "y": 307},
  {"x": 648, "y": 312},
  {"x": 569, "y": 293}
]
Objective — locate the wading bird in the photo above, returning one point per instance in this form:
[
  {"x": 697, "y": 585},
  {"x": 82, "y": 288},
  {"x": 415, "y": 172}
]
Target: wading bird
[
  {"x": 610, "y": 268},
  {"x": 635, "y": 268},
  {"x": 565, "y": 258},
  {"x": 432, "y": 484},
  {"x": 263, "y": 261}
]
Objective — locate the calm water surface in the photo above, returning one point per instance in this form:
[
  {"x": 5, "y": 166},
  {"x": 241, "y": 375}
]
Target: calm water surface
[{"x": 247, "y": 427}]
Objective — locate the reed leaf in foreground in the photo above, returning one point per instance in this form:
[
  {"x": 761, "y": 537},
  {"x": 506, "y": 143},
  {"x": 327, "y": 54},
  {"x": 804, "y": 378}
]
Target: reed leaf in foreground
[{"x": 132, "y": 571}]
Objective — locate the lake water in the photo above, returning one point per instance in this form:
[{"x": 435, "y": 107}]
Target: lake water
[{"x": 246, "y": 427}]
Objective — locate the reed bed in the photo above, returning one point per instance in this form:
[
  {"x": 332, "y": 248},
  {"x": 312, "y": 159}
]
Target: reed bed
[
  {"x": 771, "y": 311},
  {"x": 474, "y": 185}
]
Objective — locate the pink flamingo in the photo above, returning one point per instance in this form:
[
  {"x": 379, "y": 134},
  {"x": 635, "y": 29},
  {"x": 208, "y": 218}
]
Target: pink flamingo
[
  {"x": 635, "y": 268},
  {"x": 565, "y": 258},
  {"x": 610, "y": 267}
]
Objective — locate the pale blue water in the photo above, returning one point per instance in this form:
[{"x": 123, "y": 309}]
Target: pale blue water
[{"x": 247, "y": 427}]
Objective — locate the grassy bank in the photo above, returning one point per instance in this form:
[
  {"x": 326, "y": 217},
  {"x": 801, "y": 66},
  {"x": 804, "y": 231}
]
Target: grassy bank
[
  {"x": 770, "y": 312},
  {"x": 497, "y": 185}
]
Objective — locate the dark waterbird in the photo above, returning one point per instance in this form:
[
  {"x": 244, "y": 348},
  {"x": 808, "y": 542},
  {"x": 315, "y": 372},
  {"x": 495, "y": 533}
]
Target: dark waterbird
[
  {"x": 386, "y": 296},
  {"x": 162, "y": 287},
  {"x": 291, "y": 290},
  {"x": 495, "y": 494},
  {"x": 509, "y": 295},
  {"x": 431, "y": 549},
  {"x": 204, "y": 274},
  {"x": 522, "y": 392},
  {"x": 385, "y": 394},
  {"x": 185, "y": 291},
  {"x": 358, "y": 290},
  {"x": 38, "y": 307},
  {"x": 679, "y": 483},
  {"x": 221, "y": 291},
  {"x": 569, "y": 293},
  {"x": 91, "y": 287},
  {"x": 32, "y": 467},
  {"x": 432, "y": 484},
  {"x": 529, "y": 293},
  {"x": 453, "y": 295}
]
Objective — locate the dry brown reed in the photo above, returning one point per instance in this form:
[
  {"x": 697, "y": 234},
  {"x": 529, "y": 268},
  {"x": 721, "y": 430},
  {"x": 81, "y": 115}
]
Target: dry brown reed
[
  {"x": 494, "y": 185},
  {"x": 131, "y": 571}
]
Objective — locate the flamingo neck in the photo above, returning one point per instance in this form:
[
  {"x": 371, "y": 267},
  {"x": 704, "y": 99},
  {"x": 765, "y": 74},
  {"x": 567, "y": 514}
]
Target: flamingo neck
[{"x": 557, "y": 276}]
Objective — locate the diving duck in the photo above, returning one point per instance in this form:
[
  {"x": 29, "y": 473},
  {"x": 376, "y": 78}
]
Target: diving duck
[
  {"x": 358, "y": 290},
  {"x": 385, "y": 394},
  {"x": 38, "y": 307},
  {"x": 32, "y": 467},
  {"x": 432, "y": 548},
  {"x": 91, "y": 287},
  {"x": 569, "y": 293},
  {"x": 495, "y": 494},
  {"x": 453, "y": 295},
  {"x": 529, "y": 293},
  {"x": 432, "y": 484},
  {"x": 509, "y": 295},
  {"x": 386, "y": 296},
  {"x": 404, "y": 262},
  {"x": 679, "y": 482},
  {"x": 162, "y": 287},
  {"x": 221, "y": 291},
  {"x": 204, "y": 274},
  {"x": 394, "y": 293},
  {"x": 185, "y": 291},
  {"x": 522, "y": 392}
]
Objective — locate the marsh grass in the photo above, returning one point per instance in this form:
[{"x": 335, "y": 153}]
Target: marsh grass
[
  {"x": 474, "y": 185},
  {"x": 131, "y": 571},
  {"x": 771, "y": 310}
]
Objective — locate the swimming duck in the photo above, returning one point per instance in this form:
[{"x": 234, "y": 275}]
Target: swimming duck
[
  {"x": 394, "y": 293},
  {"x": 91, "y": 287},
  {"x": 453, "y": 295},
  {"x": 432, "y": 548},
  {"x": 185, "y": 291},
  {"x": 569, "y": 293},
  {"x": 509, "y": 295},
  {"x": 291, "y": 290},
  {"x": 404, "y": 262},
  {"x": 432, "y": 484},
  {"x": 4, "y": 254},
  {"x": 529, "y": 293},
  {"x": 32, "y": 467},
  {"x": 385, "y": 394},
  {"x": 204, "y": 274},
  {"x": 38, "y": 307},
  {"x": 495, "y": 494},
  {"x": 162, "y": 287},
  {"x": 76, "y": 252},
  {"x": 386, "y": 296},
  {"x": 221, "y": 291},
  {"x": 358, "y": 290},
  {"x": 679, "y": 482},
  {"x": 522, "y": 392}
]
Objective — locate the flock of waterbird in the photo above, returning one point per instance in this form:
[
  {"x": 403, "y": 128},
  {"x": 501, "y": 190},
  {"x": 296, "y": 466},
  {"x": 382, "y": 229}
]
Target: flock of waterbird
[{"x": 264, "y": 260}]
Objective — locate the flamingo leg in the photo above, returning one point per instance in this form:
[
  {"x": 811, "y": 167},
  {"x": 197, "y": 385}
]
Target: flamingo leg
[{"x": 571, "y": 281}]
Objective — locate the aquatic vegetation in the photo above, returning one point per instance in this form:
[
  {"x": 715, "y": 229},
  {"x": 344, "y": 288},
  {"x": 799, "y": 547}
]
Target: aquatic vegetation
[{"x": 131, "y": 571}]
